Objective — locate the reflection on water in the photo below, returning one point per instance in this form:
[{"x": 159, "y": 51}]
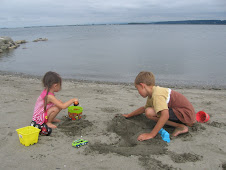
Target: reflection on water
[{"x": 6, "y": 54}]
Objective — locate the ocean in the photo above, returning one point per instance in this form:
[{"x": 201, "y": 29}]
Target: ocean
[{"x": 178, "y": 55}]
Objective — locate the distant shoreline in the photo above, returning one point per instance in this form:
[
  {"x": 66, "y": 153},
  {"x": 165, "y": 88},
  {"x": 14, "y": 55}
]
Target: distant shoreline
[
  {"x": 193, "y": 22},
  {"x": 185, "y": 22}
]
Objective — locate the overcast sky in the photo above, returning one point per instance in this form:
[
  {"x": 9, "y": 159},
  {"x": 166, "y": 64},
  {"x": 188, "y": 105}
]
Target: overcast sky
[{"x": 20, "y": 13}]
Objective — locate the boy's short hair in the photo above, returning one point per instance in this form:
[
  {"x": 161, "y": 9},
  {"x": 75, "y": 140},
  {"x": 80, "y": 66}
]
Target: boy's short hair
[{"x": 145, "y": 77}]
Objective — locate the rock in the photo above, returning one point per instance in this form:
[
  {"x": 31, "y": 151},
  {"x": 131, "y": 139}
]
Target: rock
[
  {"x": 7, "y": 43},
  {"x": 6, "y": 40},
  {"x": 40, "y": 39},
  {"x": 4, "y": 47},
  {"x": 20, "y": 41}
]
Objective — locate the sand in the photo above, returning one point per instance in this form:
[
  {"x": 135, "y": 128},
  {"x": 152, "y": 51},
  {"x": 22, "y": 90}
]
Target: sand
[{"x": 112, "y": 139}]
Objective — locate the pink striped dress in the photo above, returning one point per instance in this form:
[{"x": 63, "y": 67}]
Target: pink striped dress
[{"x": 40, "y": 116}]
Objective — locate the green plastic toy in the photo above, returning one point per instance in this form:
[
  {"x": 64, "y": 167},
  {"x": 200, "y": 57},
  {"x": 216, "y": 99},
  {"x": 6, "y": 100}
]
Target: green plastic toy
[{"x": 79, "y": 142}]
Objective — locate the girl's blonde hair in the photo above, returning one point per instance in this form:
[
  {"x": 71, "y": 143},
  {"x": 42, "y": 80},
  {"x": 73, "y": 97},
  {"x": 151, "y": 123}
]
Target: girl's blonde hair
[
  {"x": 145, "y": 77},
  {"x": 48, "y": 80}
]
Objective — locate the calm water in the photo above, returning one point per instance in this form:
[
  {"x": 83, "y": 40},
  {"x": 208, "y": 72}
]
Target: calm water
[{"x": 176, "y": 54}]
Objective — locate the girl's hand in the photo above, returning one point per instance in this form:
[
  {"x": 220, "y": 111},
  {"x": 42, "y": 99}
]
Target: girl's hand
[{"x": 75, "y": 101}]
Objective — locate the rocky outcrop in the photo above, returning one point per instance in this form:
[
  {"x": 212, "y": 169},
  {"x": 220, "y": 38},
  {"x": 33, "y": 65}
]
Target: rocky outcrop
[
  {"x": 20, "y": 41},
  {"x": 7, "y": 43},
  {"x": 40, "y": 39}
]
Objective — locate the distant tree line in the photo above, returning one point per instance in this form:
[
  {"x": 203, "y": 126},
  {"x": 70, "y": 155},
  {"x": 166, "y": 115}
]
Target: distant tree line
[{"x": 217, "y": 22}]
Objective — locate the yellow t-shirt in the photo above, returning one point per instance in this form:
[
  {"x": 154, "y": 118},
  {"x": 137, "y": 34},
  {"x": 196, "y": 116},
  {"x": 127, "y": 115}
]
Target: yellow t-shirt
[{"x": 159, "y": 100}]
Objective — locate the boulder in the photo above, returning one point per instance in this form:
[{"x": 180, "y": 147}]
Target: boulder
[
  {"x": 6, "y": 40},
  {"x": 40, "y": 39},
  {"x": 20, "y": 41},
  {"x": 7, "y": 43}
]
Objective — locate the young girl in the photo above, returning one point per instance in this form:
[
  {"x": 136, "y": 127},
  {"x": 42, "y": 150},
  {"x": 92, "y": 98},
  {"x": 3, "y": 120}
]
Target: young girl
[{"x": 47, "y": 105}]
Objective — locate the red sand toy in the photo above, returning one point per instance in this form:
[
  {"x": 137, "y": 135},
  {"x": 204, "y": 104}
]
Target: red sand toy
[
  {"x": 202, "y": 117},
  {"x": 76, "y": 103},
  {"x": 45, "y": 130}
]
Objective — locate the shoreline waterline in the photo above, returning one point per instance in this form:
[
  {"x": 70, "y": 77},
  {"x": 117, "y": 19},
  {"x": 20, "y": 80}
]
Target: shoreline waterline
[{"x": 158, "y": 83}]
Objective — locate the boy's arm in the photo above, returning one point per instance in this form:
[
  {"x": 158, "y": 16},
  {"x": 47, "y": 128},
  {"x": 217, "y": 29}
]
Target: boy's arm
[
  {"x": 135, "y": 112},
  {"x": 161, "y": 122}
]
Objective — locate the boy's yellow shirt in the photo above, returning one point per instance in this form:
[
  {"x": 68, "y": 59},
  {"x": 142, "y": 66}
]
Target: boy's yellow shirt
[{"x": 159, "y": 99}]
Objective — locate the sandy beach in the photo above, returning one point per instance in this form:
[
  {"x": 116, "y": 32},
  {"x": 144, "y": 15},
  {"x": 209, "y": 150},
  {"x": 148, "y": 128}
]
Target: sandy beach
[{"x": 112, "y": 139}]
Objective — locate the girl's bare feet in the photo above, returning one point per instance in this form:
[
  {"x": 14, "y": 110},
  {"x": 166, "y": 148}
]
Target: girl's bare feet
[
  {"x": 56, "y": 120},
  {"x": 180, "y": 130},
  {"x": 51, "y": 125}
]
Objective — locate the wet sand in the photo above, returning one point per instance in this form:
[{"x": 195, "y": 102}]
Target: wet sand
[{"x": 112, "y": 138}]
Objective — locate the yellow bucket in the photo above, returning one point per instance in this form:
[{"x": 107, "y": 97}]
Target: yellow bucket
[
  {"x": 28, "y": 135},
  {"x": 75, "y": 112}
]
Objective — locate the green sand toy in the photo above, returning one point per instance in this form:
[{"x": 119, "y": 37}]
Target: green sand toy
[{"x": 79, "y": 142}]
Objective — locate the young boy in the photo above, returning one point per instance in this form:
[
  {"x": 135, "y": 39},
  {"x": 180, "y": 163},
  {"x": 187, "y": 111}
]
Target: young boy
[{"x": 165, "y": 106}]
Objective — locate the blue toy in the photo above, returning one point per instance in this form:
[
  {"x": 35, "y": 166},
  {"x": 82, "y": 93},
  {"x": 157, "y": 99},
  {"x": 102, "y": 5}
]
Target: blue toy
[{"x": 165, "y": 135}]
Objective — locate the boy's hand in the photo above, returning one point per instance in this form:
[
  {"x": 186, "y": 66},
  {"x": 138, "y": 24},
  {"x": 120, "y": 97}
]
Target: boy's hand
[
  {"x": 145, "y": 136},
  {"x": 125, "y": 115}
]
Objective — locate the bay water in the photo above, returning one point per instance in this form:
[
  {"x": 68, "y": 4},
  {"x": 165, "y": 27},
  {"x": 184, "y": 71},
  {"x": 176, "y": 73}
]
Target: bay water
[{"x": 178, "y": 55}]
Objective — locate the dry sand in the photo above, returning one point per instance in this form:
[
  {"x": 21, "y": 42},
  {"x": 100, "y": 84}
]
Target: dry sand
[{"x": 112, "y": 138}]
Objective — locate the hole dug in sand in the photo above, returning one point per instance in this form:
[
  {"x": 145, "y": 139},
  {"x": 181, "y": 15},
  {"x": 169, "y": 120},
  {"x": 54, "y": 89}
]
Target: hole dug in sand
[
  {"x": 127, "y": 145},
  {"x": 128, "y": 130},
  {"x": 75, "y": 127},
  {"x": 185, "y": 157}
]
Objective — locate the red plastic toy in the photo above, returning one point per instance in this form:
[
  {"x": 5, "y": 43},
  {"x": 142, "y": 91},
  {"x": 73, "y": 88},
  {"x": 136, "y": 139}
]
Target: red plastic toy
[
  {"x": 45, "y": 130},
  {"x": 202, "y": 117}
]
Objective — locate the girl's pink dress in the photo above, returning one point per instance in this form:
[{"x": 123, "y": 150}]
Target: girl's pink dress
[{"x": 40, "y": 116}]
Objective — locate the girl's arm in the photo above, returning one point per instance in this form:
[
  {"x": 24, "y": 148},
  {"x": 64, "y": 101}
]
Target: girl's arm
[
  {"x": 135, "y": 112},
  {"x": 59, "y": 103}
]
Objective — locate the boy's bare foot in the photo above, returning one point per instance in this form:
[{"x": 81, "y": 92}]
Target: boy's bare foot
[
  {"x": 51, "y": 125},
  {"x": 56, "y": 120},
  {"x": 180, "y": 130}
]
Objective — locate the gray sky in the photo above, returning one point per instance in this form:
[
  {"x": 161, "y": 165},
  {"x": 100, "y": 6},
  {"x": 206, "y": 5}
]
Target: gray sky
[{"x": 20, "y": 13}]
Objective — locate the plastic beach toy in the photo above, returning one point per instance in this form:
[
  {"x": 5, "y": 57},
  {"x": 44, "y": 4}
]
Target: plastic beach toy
[
  {"x": 45, "y": 130},
  {"x": 28, "y": 135},
  {"x": 76, "y": 103},
  {"x": 202, "y": 117},
  {"x": 79, "y": 142},
  {"x": 75, "y": 112},
  {"x": 165, "y": 135}
]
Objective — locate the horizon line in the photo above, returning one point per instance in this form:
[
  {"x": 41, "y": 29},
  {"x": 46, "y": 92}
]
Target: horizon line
[{"x": 196, "y": 22}]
